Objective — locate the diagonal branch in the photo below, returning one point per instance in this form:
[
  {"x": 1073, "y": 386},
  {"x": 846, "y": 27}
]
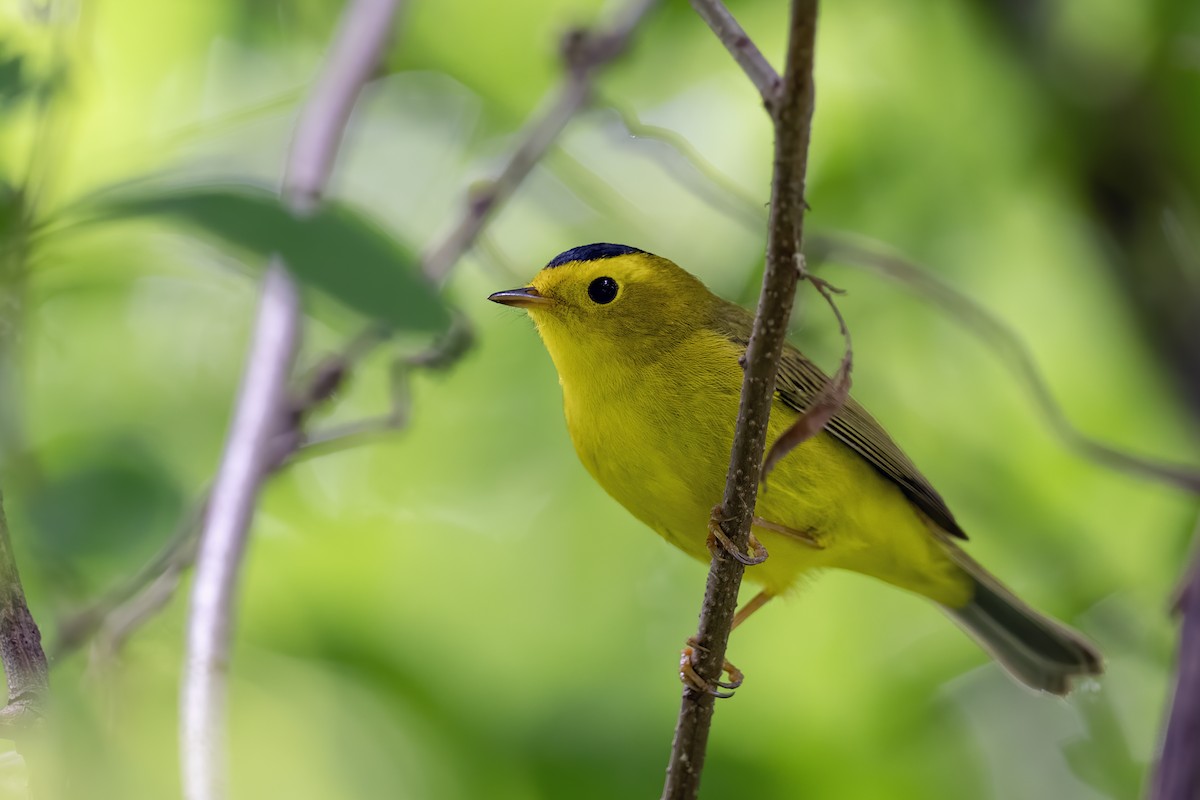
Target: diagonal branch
[
  {"x": 862, "y": 252},
  {"x": 584, "y": 52},
  {"x": 792, "y": 116},
  {"x": 263, "y": 406},
  {"x": 742, "y": 48}
]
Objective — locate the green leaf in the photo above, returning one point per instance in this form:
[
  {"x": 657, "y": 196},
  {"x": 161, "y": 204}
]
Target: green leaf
[
  {"x": 337, "y": 250},
  {"x": 12, "y": 80}
]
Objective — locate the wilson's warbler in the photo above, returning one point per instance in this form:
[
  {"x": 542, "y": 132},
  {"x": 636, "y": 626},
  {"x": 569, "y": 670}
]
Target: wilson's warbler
[{"x": 648, "y": 359}]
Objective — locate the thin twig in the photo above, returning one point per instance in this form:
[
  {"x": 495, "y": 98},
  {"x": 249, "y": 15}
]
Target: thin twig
[
  {"x": 20, "y": 647},
  {"x": 829, "y": 399},
  {"x": 858, "y": 251},
  {"x": 792, "y": 116},
  {"x": 694, "y": 171},
  {"x": 124, "y": 601},
  {"x": 584, "y": 51},
  {"x": 742, "y": 48},
  {"x": 263, "y": 406}
]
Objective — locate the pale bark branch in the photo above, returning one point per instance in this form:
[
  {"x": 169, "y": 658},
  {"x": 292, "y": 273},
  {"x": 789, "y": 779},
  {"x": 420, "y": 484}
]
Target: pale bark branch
[
  {"x": 263, "y": 408},
  {"x": 792, "y": 117},
  {"x": 260, "y": 412}
]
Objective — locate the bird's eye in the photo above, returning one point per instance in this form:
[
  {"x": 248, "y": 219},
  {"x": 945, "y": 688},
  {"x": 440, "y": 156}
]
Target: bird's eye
[{"x": 602, "y": 290}]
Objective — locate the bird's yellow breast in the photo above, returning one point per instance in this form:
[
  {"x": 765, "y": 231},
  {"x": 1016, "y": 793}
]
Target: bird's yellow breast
[{"x": 656, "y": 435}]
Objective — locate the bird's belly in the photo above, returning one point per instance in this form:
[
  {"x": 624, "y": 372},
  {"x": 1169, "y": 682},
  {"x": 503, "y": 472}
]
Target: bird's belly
[
  {"x": 669, "y": 482},
  {"x": 666, "y": 461}
]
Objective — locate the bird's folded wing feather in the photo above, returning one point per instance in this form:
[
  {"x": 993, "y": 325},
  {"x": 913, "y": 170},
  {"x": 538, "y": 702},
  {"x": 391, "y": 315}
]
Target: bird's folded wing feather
[{"x": 798, "y": 382}]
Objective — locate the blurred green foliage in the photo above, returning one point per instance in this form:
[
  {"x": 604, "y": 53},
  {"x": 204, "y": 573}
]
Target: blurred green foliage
[{"x": 457, "y": 611}]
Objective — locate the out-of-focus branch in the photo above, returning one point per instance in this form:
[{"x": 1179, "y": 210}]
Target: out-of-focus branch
[
  {"x": 742, "y": 48},
  {"x": 792, "y": 115},
  {"x": 1177, "y": 774},
  {"x": 584, "y": 52},
  {"x": 117, "y": 613},
  {"x": 20, "y": 647},
  {"x": 262, "y": 409},
  {"x": 259, "y": 416},
  {"x": 861, "y": 252}
]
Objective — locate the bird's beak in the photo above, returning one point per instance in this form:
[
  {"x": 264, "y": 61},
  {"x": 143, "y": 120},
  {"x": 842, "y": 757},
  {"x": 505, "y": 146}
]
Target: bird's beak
[{"x": 527, "y": 297}]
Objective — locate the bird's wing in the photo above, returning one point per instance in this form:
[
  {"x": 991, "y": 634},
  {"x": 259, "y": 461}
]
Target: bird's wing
[{"x": 798, "y": 382}]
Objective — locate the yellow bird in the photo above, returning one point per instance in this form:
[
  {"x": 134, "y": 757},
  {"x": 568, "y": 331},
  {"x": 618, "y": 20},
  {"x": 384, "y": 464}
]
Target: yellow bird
[{"x": 648, "y": 359}]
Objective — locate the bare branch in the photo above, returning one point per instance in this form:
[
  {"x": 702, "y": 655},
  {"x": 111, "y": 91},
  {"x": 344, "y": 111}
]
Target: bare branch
[
  {"x": 792, "y": 116},
  {"x": 742, "y": 48},
  {"x": 1001, "y": 338},
  {"x": 1177, "y": 773},
  {"x": 584, "y": 52},
  {"x": 125, "y": 602},
  {"x": 20, "y": 647},
  {"x": 263, "y": 407},
  {"x": 358, "y": 47}
]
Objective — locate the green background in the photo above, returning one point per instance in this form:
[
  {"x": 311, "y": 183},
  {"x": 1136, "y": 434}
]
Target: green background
[{"x": 457, "y": 610}]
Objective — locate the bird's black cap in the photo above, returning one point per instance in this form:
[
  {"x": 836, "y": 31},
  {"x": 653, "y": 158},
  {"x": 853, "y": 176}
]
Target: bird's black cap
[{"x": 592, "y": 252}]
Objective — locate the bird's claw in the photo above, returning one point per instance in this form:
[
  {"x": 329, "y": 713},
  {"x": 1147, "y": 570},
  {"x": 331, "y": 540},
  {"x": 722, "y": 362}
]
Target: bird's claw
[
  {"x": 693, "y": 680},
  {"x": 718, "y": 539}
]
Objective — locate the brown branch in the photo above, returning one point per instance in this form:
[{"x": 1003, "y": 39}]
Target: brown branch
[
  {"x": 584, "y": 52},
  {"x": 20, "y": 647},
  {"x": 742, "y": 48},
  {"x": 792, "y": 116}
]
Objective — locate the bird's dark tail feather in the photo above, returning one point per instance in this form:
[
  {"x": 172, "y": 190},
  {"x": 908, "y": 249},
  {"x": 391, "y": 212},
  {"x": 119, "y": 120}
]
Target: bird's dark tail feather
[{"x": 1040, "y": 652}]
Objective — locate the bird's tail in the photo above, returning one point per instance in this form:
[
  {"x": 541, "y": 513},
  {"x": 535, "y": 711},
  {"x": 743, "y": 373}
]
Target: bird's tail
[{"x": 1040, "y": 652}]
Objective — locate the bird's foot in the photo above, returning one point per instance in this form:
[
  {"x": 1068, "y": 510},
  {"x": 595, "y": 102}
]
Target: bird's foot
[
  {"x": 690, "y": 678},
  {"x": 718, "y": 542}
]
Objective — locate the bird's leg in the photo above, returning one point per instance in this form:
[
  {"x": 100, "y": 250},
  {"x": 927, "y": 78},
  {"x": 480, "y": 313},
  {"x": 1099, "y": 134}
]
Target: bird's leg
[
  {"x": 717, "y": 538},
  {"x": 687, "y": 669},
  {"x": 753, "y": 604},
  {"x": 804, "y": 537}
]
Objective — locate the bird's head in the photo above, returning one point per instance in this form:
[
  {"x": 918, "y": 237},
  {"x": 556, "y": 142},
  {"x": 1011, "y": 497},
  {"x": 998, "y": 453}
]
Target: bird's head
[{"x": 601, "y": 301}]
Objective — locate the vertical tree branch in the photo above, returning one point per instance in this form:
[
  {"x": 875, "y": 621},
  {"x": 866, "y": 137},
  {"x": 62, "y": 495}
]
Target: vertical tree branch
[
  {"x": 1177, "y": 773},
  {"x": 791, "y": 112},
  {"x": 257, "y": 419},
  {"x": 20, "y": 646},
  {"x": 262, "y": 408}
]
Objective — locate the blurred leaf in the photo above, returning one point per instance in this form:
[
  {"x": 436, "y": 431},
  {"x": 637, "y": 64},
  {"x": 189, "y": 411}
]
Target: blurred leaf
[
  {"x": 1103, "y": 759},
  {"x": 12, "y": 81},
  {"x": 336, "y": 249},
  {"x": 109, "y": 504}
]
